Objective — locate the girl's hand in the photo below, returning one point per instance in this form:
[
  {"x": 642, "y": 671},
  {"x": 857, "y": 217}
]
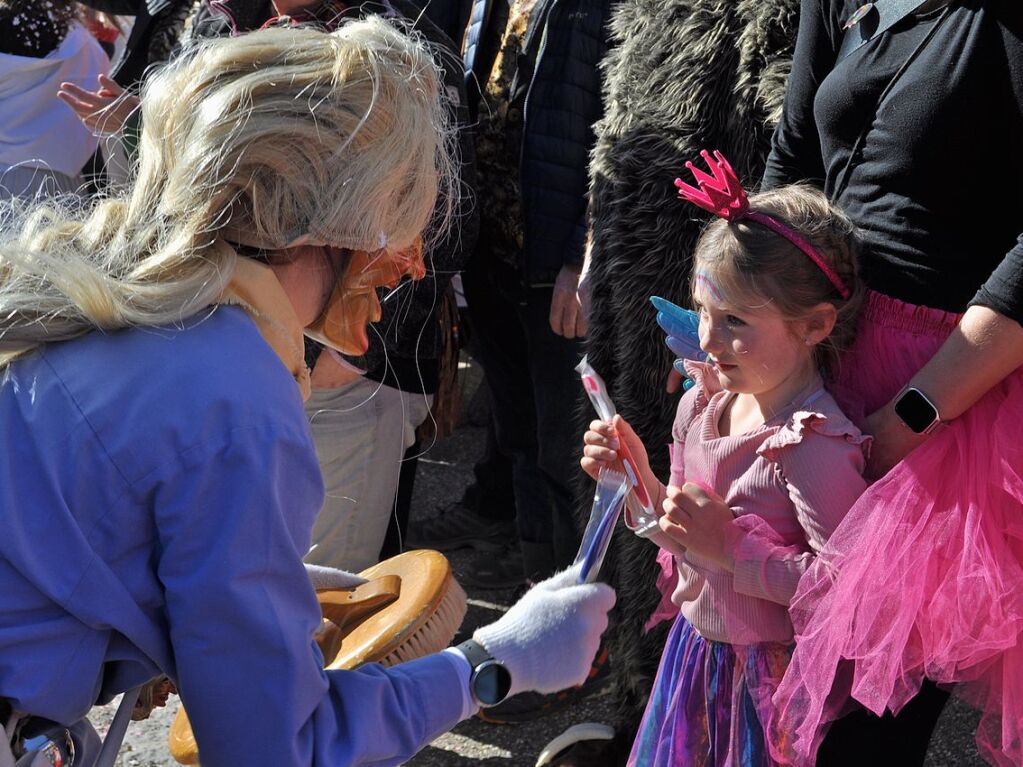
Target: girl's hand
[
  {"x": 700, "y": 521},
  {"x": 600, "y": 450}
]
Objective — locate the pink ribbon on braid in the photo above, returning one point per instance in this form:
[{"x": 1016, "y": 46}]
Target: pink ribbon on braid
[{"x": 723, "y": 195}]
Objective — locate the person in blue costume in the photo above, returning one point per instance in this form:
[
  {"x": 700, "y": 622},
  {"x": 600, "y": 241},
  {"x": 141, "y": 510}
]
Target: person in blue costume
[{"x": 158, "y": 480}]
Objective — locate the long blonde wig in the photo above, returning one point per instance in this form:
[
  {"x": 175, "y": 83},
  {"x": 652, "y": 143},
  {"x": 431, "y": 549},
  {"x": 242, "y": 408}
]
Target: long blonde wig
[{"x": 271, "y": 138}]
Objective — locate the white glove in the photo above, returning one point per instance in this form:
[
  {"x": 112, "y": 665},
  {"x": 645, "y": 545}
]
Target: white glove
[
  {"x": 328, "y": 578},
  {"x": 548, "y": 639}
]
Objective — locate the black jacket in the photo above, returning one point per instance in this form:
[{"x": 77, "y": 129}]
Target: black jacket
[{"x": 559, "y": 84}]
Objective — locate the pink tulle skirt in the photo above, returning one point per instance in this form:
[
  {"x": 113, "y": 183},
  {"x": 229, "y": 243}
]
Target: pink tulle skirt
[{"x": 924, "y": 577}]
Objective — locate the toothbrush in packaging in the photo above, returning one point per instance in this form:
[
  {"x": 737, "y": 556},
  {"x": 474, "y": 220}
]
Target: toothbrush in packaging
[
  {"x": 607, "y": 506},
  {"x": 640, "y": 516}
]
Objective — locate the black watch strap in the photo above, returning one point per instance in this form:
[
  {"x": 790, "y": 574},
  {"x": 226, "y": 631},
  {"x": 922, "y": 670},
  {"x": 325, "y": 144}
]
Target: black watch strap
[
  {"x": 489, "y": 681},
  {"x": 475, "y": 653}
]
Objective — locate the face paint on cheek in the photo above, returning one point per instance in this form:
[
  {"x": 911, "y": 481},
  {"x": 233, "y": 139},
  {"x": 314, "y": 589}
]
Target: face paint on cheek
[{"x": 353, "y": 305}]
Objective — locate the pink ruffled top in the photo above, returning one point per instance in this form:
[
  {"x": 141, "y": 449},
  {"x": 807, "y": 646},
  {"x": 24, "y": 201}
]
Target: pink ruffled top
[{"x": 789, "y": 483}]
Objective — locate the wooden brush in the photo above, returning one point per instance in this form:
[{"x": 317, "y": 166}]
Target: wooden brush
[{"x": 410, "y": 607}]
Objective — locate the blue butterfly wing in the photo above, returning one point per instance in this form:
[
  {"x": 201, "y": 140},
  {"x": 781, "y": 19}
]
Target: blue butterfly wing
[
  {"x": 682, "y": 328},
  {"x": 685, "y": 348}
]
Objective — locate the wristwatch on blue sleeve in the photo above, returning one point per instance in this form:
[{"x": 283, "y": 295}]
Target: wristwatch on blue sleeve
[
  {"x": 490, "y": 680},
  {"x": 917, "y": 411}
]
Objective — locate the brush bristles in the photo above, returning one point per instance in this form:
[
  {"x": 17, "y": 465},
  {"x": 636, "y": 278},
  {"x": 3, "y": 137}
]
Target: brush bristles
[{"x": 438, "y": 630}]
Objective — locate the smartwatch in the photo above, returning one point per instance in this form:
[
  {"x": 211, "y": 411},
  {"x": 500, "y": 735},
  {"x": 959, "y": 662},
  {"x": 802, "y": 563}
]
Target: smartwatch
[
  {"x": 490, "y": 680},
  {"x": 916, "y": 411}
]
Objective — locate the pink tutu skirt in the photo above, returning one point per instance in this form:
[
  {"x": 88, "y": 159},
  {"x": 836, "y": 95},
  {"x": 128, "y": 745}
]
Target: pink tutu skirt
[{"x": 924, "y": 577}]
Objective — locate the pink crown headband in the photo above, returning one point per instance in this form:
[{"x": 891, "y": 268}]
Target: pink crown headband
[{"x": 723, "y": 195}]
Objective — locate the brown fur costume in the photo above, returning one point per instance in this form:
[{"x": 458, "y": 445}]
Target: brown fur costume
[{"x": 684, "y": 75}]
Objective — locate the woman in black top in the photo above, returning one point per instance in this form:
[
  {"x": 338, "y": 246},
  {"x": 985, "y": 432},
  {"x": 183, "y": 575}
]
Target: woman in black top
[{"x": 918, "y": 135}]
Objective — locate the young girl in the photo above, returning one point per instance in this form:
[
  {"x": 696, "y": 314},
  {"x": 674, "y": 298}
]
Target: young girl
[{"x": 764, "y": 464}]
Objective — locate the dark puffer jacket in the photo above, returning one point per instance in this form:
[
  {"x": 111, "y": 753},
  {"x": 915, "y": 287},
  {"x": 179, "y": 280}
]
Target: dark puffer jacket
[{"x": 558, "y": 83}]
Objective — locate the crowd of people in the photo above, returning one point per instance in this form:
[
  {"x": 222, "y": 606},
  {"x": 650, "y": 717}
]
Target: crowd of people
[{"x": 242, "y": 243}]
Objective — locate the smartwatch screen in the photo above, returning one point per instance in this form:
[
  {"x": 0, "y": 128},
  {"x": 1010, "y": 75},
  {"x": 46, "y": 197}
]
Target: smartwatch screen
[
  {"x": 491, "y": 683},
  {"x": 915, "y": 410}
]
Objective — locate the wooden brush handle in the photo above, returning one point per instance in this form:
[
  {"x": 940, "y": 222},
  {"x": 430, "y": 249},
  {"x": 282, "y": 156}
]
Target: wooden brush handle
[{"x": 351, "y": 605}]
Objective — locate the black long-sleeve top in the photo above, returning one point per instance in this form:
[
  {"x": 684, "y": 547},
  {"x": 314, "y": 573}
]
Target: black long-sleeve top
[{"x": 937, "y": 189}]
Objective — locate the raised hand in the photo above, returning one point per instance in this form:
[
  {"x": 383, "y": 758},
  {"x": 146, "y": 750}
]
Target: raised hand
[
  {"x": 682, "y": 329},
  {"x": 103, "y": 111}
]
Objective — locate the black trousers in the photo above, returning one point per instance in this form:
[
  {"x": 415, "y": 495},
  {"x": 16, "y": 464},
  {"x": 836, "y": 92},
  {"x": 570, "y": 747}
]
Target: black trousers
[
  {"x": 492, "y": 492},
  {"x": 862, "y": 739},
  {"x": 534, "y": 391}
]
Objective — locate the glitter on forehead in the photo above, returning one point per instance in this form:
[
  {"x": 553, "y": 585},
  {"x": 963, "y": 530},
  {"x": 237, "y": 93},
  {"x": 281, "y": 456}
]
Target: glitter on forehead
[{"x": 705, "y": 281}]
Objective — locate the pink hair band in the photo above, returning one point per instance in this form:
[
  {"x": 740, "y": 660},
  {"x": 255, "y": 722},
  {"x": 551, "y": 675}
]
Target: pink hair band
[
  {"x": 800, "y": 242},
  {"x": 723, "y": 195}
]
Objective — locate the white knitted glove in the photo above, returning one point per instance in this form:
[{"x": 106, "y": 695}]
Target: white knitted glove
[
  {"x": 326, "y": 578},
  {"x": 548, "y": 639}
]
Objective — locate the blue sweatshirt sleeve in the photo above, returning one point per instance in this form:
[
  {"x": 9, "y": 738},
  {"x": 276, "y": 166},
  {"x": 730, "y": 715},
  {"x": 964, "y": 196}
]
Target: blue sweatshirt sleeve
[{"x": 233, "y": 521}]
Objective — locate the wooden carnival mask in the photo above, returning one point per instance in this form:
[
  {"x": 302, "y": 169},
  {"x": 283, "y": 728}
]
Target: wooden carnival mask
[{"x": 353, "y": 305}]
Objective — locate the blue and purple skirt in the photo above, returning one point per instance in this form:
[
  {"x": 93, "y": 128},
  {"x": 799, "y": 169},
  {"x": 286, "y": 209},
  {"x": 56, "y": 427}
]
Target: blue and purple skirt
[{"x": 708, "y": 703}]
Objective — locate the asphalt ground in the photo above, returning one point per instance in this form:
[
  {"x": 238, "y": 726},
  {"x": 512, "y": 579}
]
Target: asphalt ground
[{"x": 444, "y": 471}]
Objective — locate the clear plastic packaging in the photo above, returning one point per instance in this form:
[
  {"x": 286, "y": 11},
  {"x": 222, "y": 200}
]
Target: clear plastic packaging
[
  {"x": 608, "y": 500},
  {"x": 640, "y": 516}
]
